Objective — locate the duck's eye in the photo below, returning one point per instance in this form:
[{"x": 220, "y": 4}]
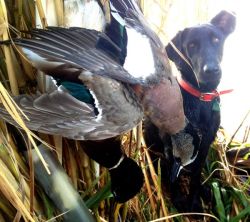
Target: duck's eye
[{"x": 215, "y": 39}]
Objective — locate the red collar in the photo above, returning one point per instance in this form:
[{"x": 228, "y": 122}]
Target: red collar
[{"x": 207, "y": 97}]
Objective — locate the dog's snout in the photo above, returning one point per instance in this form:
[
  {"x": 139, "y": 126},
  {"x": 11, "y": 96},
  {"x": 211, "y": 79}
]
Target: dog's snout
[{"x": 211, "y": 69}]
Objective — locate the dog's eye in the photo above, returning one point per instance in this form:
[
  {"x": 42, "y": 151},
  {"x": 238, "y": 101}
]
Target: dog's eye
[{"x": 215, "y": 39}]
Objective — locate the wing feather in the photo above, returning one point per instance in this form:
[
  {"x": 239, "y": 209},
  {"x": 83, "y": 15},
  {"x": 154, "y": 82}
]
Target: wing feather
[
  {"x": 58, "y": 113},
  {"x": 52, "y": 47}
]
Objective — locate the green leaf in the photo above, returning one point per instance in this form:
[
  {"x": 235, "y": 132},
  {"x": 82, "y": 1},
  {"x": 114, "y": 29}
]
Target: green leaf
[
  {"x": 227, "y": 200},
  {"x": 102, "y": 194},
  {"x": 240, "y": 215},
  {"x": 219, "y": 204},
  {"x": 48, "y": 206},
  {"x": 240, "y": 197}
]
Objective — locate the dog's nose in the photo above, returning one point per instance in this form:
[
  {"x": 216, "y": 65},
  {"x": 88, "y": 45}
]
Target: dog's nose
[{"x": 211, "y": 69}]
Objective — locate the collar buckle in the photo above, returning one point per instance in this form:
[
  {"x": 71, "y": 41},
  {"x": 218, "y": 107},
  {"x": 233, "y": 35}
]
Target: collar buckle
[
  {"x": 207, "y": 97},
  {"x": 202, "y": 97}
]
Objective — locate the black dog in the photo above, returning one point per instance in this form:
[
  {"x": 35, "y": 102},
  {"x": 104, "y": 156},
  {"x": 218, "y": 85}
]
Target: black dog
[{"x": 197, "y": 53}]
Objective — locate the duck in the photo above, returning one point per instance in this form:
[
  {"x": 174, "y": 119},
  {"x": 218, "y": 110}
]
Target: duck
[
  {"x": 105, "y": 84},
  {"x": 103, "y": 91}
]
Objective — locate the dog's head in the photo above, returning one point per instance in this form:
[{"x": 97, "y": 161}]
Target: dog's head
[{"x": 202, "y": 47}]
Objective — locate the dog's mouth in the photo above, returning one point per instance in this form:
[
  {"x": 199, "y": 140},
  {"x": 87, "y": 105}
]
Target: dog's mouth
[
  {"x": 209, "y": 85},
  {"x": 209, "y": 81}
]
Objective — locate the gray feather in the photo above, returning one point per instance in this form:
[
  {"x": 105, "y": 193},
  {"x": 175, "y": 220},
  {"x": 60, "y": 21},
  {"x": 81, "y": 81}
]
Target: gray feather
[
  {"x": 50, "y": 48},
  {"x": 59, "y": 113}
]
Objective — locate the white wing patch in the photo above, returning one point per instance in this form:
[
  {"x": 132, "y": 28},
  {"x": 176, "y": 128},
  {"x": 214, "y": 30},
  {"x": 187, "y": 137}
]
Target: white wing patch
[{"x": 139, "y": 61}]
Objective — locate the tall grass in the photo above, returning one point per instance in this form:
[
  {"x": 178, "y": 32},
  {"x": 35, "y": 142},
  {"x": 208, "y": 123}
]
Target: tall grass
[{"x": 21, "y": 198}]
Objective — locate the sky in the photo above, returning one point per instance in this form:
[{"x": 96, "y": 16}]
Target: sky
[{"x": 236, "y": 73}]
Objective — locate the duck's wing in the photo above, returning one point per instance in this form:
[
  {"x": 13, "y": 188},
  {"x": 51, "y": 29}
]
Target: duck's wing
[
  {"x": 59, "y": 113},
  {"x": 146, "y": 57},
  {"x": 128, "y": 13},
  {"x": 64, "y": 52}
]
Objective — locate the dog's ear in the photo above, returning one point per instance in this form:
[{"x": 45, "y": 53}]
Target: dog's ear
[
  {"x": 176, "y": 43},
  {"x": 225, "y": 21}
]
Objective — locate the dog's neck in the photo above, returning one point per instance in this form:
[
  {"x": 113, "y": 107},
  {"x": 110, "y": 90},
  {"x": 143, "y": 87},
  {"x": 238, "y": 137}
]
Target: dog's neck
[{"x": 206, "y": 97}]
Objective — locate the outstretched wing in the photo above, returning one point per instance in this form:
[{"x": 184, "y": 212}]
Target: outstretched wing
[
  {"x": 58, "y": 113},
  {"x": 63, "y": 53}
]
